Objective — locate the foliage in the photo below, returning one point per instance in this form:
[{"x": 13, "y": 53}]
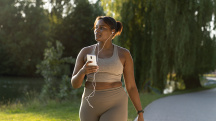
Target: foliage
[
  {"x": 23, "y": 36},
  {"x": 189, "y": 35},
  {"x": 75, "y": 29},
  {"x": 66, "y": 91},
  {"x": 51, "y": 68},
  {"x": 26, "y": 26},
  {"x": 165, "y": 37}
]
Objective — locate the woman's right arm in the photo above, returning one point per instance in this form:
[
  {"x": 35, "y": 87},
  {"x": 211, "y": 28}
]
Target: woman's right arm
[{"x": 81, "y": 69}]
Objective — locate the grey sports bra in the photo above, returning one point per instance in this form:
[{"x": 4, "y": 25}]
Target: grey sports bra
[{"x": 110, "y": 69}]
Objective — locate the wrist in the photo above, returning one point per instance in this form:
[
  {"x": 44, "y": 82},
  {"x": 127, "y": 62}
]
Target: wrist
[
  {"x": 140, "y": 112},
  {"x": 82, "y": 71}
]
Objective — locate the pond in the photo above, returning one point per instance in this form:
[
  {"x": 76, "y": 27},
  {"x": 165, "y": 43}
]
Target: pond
[{"x": 12, "y": 88}]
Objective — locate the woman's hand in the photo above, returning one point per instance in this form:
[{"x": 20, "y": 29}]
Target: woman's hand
[
  {"x": 140, "y": 117},
  {"x": 86, "y": 69}
]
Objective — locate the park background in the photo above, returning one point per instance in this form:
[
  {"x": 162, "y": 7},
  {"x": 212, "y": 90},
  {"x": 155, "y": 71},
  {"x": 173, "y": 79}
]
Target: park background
[{"x": 172, "y": 43}]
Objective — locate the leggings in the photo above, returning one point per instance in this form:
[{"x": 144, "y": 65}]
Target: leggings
[{"x": 108, "y": 105}]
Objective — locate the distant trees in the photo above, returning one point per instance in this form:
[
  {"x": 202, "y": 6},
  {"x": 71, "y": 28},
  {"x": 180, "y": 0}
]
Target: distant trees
[
  {"x": 23, "y": 36},
  {"x": 76, "y": 29},
  {"x": 166, "y": 37},
  {"x": 26, "y": 27},
  {"x": 72, "y": 31}
]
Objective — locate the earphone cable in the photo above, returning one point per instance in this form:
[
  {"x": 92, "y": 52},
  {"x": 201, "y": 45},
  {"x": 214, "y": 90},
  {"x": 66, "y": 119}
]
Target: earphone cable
[{"x": 94, "y": 81}]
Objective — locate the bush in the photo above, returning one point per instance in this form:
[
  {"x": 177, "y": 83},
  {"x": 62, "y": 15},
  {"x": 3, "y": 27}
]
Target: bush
[{"x": 55, "y": 71}]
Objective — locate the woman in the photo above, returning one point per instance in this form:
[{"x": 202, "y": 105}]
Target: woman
[{"x": 104, "y": 98}]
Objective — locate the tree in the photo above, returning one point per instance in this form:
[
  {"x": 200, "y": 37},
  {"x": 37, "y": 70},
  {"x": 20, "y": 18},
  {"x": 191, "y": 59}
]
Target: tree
[
  {"x": 25, "y": 27},
  {"x": 188, "y": 25},
  {"x": 23, "y": 36},
  {"x": 76, "y": 29},
  {"x": 51, "y": 68},
  {"x": 136, "y": 37},
  {"x": 168, "y": 36}
]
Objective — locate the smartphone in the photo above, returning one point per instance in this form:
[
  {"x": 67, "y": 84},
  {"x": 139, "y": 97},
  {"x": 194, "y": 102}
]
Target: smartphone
[{"x": 93, "y": 59}]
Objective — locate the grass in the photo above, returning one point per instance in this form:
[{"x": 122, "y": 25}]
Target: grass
[
  {"x": 36, "y": 110},
  {"x": 146, "y": 98},
  {"x": 53, "y": 110},
  {"x": 68, "y": 110}
]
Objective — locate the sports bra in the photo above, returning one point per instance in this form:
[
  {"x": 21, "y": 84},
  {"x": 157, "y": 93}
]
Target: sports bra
[{"x": 110, "y": 69}]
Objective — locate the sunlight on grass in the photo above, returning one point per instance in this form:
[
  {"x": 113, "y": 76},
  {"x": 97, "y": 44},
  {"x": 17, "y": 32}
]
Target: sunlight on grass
[
  {"x": 37, "y": 111},
  {"x": 23, "y": 117},
  {"x": 54, "y": 110}
]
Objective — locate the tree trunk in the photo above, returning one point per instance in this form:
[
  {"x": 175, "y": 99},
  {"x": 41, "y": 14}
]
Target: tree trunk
[{"x": 192, "y": 81}]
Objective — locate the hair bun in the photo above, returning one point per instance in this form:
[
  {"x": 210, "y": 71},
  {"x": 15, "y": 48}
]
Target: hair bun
[{"x": 119, "y": 28}]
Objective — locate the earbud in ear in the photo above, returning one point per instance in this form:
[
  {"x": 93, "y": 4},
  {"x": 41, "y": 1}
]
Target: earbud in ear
[{"x": 112, "y": 32}]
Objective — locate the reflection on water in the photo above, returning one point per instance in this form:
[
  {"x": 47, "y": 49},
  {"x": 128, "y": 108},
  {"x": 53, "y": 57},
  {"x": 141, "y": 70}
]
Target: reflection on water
[{"x": 16, "y": 87}]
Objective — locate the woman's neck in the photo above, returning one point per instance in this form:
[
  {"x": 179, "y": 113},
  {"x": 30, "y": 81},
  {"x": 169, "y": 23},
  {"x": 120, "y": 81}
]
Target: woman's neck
[{"x": 108, "y": 45}]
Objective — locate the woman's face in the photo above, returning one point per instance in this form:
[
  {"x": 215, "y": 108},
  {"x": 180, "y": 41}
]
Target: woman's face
[{"x": 102, "y": 31}]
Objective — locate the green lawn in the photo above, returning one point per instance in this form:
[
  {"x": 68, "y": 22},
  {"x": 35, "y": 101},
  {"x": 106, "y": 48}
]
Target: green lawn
[
  {"x": 40, "y": 111},
  {"x": 53, "y": 110}
]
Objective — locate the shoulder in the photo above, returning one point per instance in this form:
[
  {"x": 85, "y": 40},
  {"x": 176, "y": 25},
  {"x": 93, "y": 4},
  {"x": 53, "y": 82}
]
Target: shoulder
[
  {"x": 87, "y": 50},
  {"x": 84, "y": 51},
  {"x": 123, "y": 51},
  {"x": 124, "y": 56}
]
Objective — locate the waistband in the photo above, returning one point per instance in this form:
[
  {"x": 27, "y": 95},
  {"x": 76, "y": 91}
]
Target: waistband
[{"x": 102, "y": 85}]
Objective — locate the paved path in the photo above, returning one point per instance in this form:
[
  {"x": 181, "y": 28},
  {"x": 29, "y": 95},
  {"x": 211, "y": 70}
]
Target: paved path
[{"x": 197, "y": 106}]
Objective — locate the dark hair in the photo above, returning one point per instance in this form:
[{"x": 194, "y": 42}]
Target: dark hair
[{"x": 112, "y": 23}]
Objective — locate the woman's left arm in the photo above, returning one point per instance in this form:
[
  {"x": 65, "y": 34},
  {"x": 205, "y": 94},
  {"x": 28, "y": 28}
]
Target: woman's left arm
[{"x": 130, "y": 83}]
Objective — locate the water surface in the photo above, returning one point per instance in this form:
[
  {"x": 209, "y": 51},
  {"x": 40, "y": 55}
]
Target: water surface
[{"x": 13, "y": 88}]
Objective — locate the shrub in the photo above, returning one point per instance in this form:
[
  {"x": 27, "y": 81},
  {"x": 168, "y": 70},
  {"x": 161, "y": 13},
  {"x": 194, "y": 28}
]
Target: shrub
[{"x": 55, "y": 70}]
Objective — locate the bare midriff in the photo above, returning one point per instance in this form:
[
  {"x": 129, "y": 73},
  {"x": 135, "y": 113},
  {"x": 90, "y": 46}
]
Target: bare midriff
[{"x": 103, "y": 85}]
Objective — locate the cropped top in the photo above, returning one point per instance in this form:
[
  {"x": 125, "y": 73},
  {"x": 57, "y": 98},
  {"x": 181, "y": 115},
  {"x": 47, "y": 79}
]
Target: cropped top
[{"x": 110, "y": 69}]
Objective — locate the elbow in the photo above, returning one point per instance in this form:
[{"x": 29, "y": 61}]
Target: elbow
[
  {"x": 74, "y": 85},
  {"x": 131, "y": 89}
]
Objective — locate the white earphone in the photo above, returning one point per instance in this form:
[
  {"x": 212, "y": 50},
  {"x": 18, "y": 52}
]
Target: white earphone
[{"x": 94, "y": 81}]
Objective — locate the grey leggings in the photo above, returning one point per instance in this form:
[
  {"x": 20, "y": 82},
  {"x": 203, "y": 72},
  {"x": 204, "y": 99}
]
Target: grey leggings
[{"x": 109, "y": 105}]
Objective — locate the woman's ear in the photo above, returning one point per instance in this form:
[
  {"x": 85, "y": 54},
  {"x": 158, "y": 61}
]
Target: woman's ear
[{"x": 113, "y": 31}]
